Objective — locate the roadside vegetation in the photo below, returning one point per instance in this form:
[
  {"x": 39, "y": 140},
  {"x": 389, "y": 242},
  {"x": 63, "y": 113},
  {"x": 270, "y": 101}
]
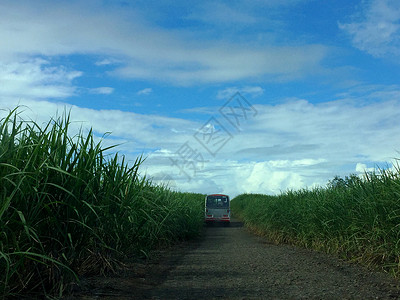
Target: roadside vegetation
[
  {"x": 68, "y": 210},
  {"x": 355, "y": 218}
]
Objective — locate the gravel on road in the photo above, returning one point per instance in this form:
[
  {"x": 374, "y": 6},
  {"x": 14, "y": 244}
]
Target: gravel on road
[{"x": 231, "y": 263}]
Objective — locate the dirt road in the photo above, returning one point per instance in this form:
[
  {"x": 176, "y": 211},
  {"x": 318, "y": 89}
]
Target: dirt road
[{"x": 230, "y": 263}]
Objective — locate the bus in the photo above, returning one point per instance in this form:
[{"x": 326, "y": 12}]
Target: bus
[{"x": 217, "y": 209}]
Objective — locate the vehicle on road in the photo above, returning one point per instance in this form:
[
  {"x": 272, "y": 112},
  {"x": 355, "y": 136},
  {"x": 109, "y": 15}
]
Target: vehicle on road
[{"x": 217, "y": 209}]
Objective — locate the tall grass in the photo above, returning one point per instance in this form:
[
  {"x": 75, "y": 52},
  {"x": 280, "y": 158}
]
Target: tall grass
[
  {"x": 67, "y": 209},
  {"x": 356, "y": 218}
]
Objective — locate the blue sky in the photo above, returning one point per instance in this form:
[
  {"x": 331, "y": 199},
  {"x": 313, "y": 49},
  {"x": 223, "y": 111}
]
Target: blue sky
[{"x": 318, "y": 84}]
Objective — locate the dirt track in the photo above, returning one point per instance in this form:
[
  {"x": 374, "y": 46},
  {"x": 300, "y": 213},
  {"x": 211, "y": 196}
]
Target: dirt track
[{"x": 230, "y": 263}]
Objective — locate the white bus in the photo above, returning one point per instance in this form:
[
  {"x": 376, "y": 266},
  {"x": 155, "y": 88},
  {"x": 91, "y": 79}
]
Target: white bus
[{"x": 217, "y": 209}]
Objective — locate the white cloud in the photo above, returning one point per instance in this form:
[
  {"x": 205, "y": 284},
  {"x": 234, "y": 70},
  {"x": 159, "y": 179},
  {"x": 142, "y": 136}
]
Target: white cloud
[
  {"x": 297, "y": 144},
  {"x": 362, "y": 168},
  {"x": 339, "y": 129},
  {"x": 104, "y": 90},
  {"x": 305, "y": 162},
  {"x": 378, "y": 31},
  {"x": 140, "y": 132},
  {"x": 106, "y": 62},
  {"x": 266, "y": 179},
  {"x": 286, "y": 146},
  {"x": 36, "y": 78},
  {"x": 145, "y": 91},
  {"x": 228, "y": 62},
  {"x": 144, "y": 51}
]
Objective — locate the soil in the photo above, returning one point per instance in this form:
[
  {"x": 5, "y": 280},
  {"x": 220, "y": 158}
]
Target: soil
[{"x": 231, "y": 263}]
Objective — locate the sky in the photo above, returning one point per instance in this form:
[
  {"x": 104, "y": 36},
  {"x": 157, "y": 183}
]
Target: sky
[{"x": 226, "y": 97}]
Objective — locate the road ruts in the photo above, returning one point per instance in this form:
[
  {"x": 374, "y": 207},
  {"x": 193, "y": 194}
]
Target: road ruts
[{"x": 230, "y": 263}]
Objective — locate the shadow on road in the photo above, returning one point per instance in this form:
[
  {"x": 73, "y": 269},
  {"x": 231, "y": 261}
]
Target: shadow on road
[{"x": 233, "y": 224}]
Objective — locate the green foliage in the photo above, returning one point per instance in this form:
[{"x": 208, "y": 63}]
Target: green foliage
[
  {"x": 357, "y": 218},
  {"x": 68, "y": 209}
]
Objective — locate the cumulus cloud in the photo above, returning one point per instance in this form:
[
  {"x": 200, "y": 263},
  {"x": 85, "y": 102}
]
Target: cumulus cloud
[
  {"x": 362, "y": 168},
  {"x": 296, "y": 144},
  {"x": 286, "y": 146},
  {"x": 378, "y": 30},
  {"x": 265, "y": 178},
  {"x": 346, "y": 126}
]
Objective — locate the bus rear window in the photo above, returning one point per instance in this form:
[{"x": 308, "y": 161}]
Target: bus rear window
[{"x": 217, "y": 202}]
